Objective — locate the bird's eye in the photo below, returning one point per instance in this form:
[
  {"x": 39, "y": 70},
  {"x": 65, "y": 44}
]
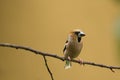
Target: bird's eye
[{"x": 77, "y": 33}]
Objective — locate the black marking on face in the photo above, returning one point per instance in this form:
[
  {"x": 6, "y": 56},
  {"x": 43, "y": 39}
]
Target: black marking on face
[
  {"x": 79, "y": 39},
  {"x": 77, "y": 32},
  {"x": 78, "y": 36}
]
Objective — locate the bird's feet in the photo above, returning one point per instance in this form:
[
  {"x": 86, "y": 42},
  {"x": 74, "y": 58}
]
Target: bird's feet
[
  {"x": 80, "y": 61},
  {"x": 69, "y": 58}
]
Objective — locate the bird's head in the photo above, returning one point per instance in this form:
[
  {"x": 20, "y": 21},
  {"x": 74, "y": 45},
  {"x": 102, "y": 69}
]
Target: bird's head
[{"x": 78, "y": 33}]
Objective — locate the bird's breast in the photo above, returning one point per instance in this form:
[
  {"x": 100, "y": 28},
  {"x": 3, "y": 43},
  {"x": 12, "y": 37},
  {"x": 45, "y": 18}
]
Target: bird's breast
[{"x": 74, "y": 49}]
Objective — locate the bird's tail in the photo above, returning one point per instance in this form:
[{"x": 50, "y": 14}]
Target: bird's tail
[{"x": 67, "y": 64}]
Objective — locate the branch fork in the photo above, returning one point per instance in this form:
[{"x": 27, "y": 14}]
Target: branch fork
[{"x": 112, "y": 68}]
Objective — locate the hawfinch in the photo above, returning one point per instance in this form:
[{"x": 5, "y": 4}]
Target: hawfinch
[{"x": 73, "y": 46}]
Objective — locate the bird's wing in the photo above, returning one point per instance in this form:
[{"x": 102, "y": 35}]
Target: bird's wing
[{"x": 65, "y": 46}]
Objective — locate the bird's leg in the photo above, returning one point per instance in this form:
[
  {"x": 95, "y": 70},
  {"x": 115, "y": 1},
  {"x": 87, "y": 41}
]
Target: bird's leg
[{"x": 69, "y": 58}]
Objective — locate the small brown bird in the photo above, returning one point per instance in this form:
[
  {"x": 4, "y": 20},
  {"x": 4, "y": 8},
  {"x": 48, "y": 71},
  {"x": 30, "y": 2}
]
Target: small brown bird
[{"x": 73, "y": 46}]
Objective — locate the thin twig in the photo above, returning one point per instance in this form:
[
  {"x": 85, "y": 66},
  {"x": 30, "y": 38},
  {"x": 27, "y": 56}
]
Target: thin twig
[
  {"x": 57, "y": 57},
  {"x": 48, "y": 67}
]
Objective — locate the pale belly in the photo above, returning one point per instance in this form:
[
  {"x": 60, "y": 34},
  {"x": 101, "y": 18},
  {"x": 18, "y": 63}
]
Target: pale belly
[{"x": 73, "y": 50}]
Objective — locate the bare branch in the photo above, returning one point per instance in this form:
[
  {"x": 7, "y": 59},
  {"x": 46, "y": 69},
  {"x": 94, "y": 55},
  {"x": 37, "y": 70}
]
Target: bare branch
[
  {"x": 57, "y": 57},
  {"x": 48, "y": 67},
  {"x": 31, "y": 50}
]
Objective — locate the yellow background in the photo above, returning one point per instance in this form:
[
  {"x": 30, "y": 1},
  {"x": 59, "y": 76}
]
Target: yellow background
[{"x": 44, "y": 25}]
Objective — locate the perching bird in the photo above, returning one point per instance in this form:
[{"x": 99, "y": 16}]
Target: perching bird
[{"x": 73, "y": 46}]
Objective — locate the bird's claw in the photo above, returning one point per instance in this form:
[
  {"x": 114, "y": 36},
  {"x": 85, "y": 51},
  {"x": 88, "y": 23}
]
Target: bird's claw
[{"x": 81, "y": 61}]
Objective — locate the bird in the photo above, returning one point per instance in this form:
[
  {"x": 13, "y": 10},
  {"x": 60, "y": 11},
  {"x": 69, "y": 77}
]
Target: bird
[{"x": 73, "y": 46}]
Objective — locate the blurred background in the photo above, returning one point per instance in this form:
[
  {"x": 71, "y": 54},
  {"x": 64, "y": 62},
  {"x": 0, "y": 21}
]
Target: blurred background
[{"x": 44, "y": 25}]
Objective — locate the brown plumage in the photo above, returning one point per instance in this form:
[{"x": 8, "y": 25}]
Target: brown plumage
[{"x": 73, "y": 46}]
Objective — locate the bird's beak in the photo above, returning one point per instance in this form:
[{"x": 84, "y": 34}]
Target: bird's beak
[{"x": 82, "y": 34}]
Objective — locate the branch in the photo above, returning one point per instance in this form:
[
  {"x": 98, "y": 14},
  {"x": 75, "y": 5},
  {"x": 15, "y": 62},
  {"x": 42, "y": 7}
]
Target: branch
[
  {"x": 48, "y": 67},
  {"x": 56, "y": 56}
]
